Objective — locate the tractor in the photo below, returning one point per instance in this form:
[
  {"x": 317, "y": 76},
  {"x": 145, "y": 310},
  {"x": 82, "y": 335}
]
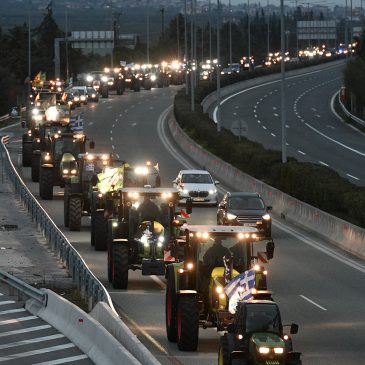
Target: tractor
[
  {"x": 256, "y": 337},
  {"x": 213, "y": 257},
  {"x": 63, "y": 150},
  {"x": 140, "y": 234},
  {"x": 81, "y": 195}
]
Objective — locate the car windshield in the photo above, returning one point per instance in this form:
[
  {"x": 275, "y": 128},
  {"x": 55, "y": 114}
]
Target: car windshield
[
  {"x": 246, "y": 203},
  {"x": 196, "y": 179},
  {"x": 262, "y": 317},
  {"x": 211, "y": 252},
  {"x": 64, "y": 145},
  {"x": 131, "y": 179}
]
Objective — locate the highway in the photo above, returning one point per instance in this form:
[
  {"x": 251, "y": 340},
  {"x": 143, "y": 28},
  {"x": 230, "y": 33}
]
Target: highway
[
  {"x": 316, "y": 285},
  {"x": 313, "y": 131}
]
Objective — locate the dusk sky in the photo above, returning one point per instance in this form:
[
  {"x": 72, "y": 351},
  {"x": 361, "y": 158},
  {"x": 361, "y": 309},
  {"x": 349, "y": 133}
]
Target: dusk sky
[{"x": 331, "y": 3}]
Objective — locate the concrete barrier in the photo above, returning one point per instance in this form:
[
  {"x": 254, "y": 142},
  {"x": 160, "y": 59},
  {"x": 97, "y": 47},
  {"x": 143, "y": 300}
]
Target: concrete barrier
[
  {"x": 107, "y": 318},
  {"x": 83, "y": 330},
  {"x": 341, "y": 233}
]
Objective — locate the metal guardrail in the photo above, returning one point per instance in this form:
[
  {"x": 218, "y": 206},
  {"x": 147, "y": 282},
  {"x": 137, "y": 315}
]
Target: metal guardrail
[
  {"x": 91, "y": 289},
  {"x": 23, "y": 287},
  {"x": 353, "y": 117},
  {"x": 4, "y": 117}
]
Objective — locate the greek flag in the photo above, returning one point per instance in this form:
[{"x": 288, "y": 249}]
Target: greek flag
[
  {"x": 77, "y": 123},
  {"x": 240, "y": 288}
]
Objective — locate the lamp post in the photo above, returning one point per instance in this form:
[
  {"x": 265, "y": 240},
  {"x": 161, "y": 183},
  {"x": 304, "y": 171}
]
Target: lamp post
[
  {"x": 230, "y": 32},
  {"x": 162, "y": 10},
  {"x": 283, "y": 111},
  {"x": 268, "y": 29},
  {"x": 29, "y": 49},
  {"x": 192, "y": 56},
  {"x": 218, "y": 70},
  {"x": 186, "y": 50},
  {"x": 67, "y": 70},
  {"x": 148, "y": 32},
  {"x": 249, "y": 34},
  {"x": 346, "y": 31},
  {"x": 178, "y": 36}
]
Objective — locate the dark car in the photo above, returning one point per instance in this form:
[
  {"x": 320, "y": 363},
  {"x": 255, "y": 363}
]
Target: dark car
[{"x": 245, "y": 209}]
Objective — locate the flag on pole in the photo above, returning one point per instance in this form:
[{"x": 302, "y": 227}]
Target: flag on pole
[
  {"x": 38, "y": 77},
  {"x": 240, "y": 288},
  {"x": 77, "y": 123}
]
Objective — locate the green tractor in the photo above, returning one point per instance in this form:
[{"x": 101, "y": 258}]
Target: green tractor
[
  {"x": 82, "y": 196},
  {"x": 140, "y": 233},
  {"x": 214, "y": 256},
  {"x": 63, "y": 149},
  {"x": 256, "y": 337}
]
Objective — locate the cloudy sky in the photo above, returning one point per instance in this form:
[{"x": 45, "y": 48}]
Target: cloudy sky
[{"x": 331, "y": 3}]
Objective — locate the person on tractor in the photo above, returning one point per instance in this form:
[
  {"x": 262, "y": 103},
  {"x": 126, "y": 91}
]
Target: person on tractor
[
  {"x": 214, "y": 255},
  {"x": 148, "y": 209}
]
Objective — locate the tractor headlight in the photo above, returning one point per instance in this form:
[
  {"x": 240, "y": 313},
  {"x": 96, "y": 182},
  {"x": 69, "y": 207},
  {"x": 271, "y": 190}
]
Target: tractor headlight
[
  {"x": 73, "y": 171},
  {"x": 231, "y": 216},
  {"x": 279, "y": 350},
  {"x": 35, "y": 111},
  {"x": 266, "y": 217},
  {"x": 153, "y": 77},
  {"x": 89, "y": 78},
  {"x": 219, "y": 289},
  {"x": 47, "y": 157},
  {"x": 189, "y": 265},
  {"x": 65, "y": 171},
  {"x": 264, "y": 350}
]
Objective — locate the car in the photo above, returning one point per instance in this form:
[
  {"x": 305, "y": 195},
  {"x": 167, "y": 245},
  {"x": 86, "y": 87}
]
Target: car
[
  {"x": 245, "y": 209},
  {"x": 198, "y": 185},
  {"x": 92, "y": 94},
  {"x": 82, "y": 91}
]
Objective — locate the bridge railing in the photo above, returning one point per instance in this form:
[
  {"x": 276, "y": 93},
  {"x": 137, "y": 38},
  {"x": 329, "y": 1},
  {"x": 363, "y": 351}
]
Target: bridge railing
[{"x": 91, "y": 289}]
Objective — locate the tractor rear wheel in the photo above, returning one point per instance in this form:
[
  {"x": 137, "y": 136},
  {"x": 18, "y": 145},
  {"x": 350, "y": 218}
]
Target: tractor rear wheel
[
  {"x": 100, "y": 230},
  {"x": 110, "y": 250},
  {"x": 46, "y": 183},
  {"x": 120, "y": 266},
  {"x": 35, "y": 167},
  {"x": 187, "y": 323},
  {"x": 223, "y": 351},
  {"x": 171, "y": 307},
  {"x": 75, "y": 212},
  {"x": 26, "y": 154},
  {"x": 66, "y": 199}
]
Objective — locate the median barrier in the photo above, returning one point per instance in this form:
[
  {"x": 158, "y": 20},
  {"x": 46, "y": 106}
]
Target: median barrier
[
  {"x": 106, "y": 317},
  {"x": 341, "y": 233},
  {"x": 360, "y": 122},
  {"x": 82, "y": 329}
]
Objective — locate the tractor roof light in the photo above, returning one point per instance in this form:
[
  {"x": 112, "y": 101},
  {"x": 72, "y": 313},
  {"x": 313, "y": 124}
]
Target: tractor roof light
[{"x": 90, "y": 157}]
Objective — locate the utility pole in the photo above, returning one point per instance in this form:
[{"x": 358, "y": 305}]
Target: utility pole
[
  {"x": 178, "y": 36},
  {"x": 162, "y": 10},
  {"x": 148, "y": 32},
  {"x": 268, "y": 29},
  {"x": 249, "y": 34},
  {"x": 67, "y": 70},
  {"x": 29, "y": 50},
  {"x": 192, "y": 61},
  {"x": 218, "y": 70},
  {"x": 230, "y": 32},
  {"x": 186, "y": 50},
  {"x": 283, "y": 111},
  {"x": 346, "y": 31}
]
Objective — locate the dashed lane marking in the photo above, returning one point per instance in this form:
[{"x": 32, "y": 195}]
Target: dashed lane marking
[
  {"x": 21, "y": 319},
  {"x": 323, "y": 163},
  {"x": 18, "y": 310},
  {"x": 302, "y": 153},
  {"x": 313, "y": 302},
  {"x": 353, "y": 177},
  {"x": 65, "y": 360},
  {"x": 30, "y": 341},
  {"x": 25, "y": 330},
  {"x": 5, "y": 302}
]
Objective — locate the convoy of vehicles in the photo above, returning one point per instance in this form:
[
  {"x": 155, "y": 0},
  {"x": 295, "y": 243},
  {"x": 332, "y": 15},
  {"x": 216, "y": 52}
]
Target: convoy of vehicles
[{"x": 139, "y": 224}]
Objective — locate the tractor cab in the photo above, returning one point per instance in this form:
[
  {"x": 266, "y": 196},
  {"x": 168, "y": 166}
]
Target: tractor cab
[
  {"x": 214, "y": 258},
  {"x": 256, "y": 336}
]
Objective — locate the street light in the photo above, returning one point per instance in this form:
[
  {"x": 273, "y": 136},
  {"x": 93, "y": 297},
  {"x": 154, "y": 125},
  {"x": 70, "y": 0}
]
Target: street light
[
  {"x": 192, "y": 56},
  {"x": 230, "y": 33},
  {"x": 186, "y": 51},
  {"x": 283, "y": 111},
  {"x": 148, "y": 32},
  {"x": 249, "y": 34},
  {"x": 218, "y": 70}
]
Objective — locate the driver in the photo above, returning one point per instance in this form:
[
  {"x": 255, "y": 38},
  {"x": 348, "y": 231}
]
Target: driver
[
  {"x": 148, "y": 209},
  {"x": 214, "y": 255}
]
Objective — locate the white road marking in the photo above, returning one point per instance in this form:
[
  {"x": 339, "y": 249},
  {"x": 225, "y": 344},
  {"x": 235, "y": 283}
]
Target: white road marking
[
  {"x": 18, "y": 310},
  {"x": 255, "y": 116},
  {"x": 21, "y": 319},
  {"x": 120, "y": 115},
  {"x": 274, "y": 108},
  {"x": 258, "y": 121},
  {"x": 330, "y": 126},
  {"x": 111, "y": 131},
  {"x": 25, "y": 330},
  {"x": 111, "y": 138},
  {"x": 353, "y": 177},
  {"x": 109, "y": 106},
  {"x": 125, "y": 110},
  {"x": 159, "y": 282},
  {"x": 312, "y": 302},
  {"x": 5, "y": 302},
  {"x": 134, "y": 124},
  {"x": 234, "y": 113},
  {"x": 317, "y": 115},
  {"x": 273, "y": 134},
  {"x": 276, "y": 114},
  {"x": 151, "y": 108},
  {"x": 302, "y": 153},
  {"x": 90, "y": 123},
  {"x": 31, "y": 340},
  {"x": 65, "y": 360},
  {"x": 37, "y": 352},
  {"x": 113, "y": 147},
  {"x": 113, "y": 125},
  {"x": 264, "y": 127},
  {"x": 287, "y": 126},
  {"x": 323, "y": 163}
]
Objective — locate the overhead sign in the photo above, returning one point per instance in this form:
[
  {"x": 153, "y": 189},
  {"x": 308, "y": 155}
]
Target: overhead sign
[
  {"x": 92, "y": 39},
  {"x": 316, "y": 29}
]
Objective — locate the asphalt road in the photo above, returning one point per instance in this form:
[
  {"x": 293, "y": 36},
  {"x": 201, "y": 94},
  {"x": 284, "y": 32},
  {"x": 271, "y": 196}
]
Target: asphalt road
[
  {"x": 313, "y": 132},
  {"x": 316, "y": 285}
]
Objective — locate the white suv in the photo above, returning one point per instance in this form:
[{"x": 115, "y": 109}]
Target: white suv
[{"x": 198, "y": 185}]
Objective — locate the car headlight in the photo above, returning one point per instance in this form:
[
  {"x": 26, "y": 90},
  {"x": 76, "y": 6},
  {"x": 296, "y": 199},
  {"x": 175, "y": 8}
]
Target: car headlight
[
  {"x": 264, "y": 350},
  {"x": 185, "y": 191},
  {"x": 35, "y": 111},
  {"x": 266, "y": 217},
  {"x": 212, "y": 191},
  {"x": 279, "y": 350},
  {"x": 231, "y": 216}
]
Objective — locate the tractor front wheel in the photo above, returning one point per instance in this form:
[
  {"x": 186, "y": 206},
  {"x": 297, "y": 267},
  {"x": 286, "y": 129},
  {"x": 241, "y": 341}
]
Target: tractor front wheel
[
  {"x": 187, "y": 323},
  {"x": 26, "y": 154},
  {"x": 171, "y": 307},
  {"x": 46, "y": 183},
  {"x": 120, "y": 266},
  {"x": 35, "y": 165},
  {"x": 100, "y": 230},
  {"x": 66, "y": 199},
  {"x": 75, "y": 212}
]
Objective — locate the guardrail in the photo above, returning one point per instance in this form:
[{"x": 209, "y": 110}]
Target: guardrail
[
  {"x": 357, "y": 120},
  {"x": 23, "y": 287},
  {"x": 91, "y": 289}
]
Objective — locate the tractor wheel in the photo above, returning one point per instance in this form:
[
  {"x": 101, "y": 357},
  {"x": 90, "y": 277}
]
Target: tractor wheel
[
  {"x": 223, "y": 351},
  {"x": 120, "y": 266},
  {"x": 101, "y": 230},
  {"x": 187, "y": 323},
  {"x": 92, "y": 233},
  {"x": 171, "y": 307},
  {"x": 46, "y": 183},
  {"x": 147, "y": 85},
  {"x": 110, "y": 250},
  {"x": 35, "y": 167},
  {"x": 75, "y": 210},
  {"x": 66, "y": 199},
  {"x": 27, "y": 154}
]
